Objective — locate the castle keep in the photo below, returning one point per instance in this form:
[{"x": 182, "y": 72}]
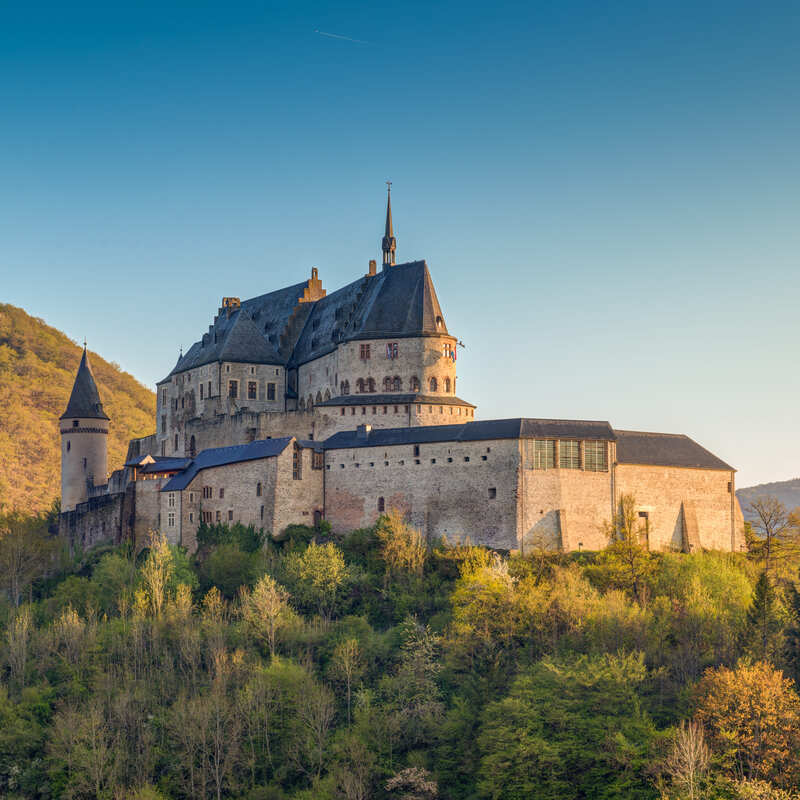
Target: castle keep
[{"x": 299, "y": 405}]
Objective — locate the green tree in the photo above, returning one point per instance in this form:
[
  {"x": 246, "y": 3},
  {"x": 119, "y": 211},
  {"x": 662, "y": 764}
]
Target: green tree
[
  {"x": 266, "y": 611},
  {"x": 776, "y": 532},
  {"x": 626, "y": 562},
  {"x": 763, "y": 636},
  {"x": 571, "y": 728},
  {"x": 403, "y": 548},
  {"x": 318, "y": 577}
]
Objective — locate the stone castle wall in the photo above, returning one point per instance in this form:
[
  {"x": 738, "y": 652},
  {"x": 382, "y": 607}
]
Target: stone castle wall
[
  {"x": 445, "y": 490},
  {"x": 84, "y": 458}
]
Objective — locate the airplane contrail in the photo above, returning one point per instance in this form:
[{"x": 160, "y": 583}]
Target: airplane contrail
[{"x": 338, "y": 36}]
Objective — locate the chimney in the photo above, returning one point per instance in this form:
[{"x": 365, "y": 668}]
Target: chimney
[
  {"x": 363, "y": 431},
  {"x": 373, "y": 267}
]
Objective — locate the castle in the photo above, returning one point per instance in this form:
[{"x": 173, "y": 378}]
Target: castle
[{"x": 299, "y": 405}]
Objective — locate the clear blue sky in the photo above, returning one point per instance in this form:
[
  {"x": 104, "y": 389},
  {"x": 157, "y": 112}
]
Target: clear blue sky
[{"x": 607, "y": 194}]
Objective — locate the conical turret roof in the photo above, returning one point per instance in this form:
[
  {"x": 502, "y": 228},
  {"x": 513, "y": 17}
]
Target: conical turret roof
[{"x": 85, "y": 399}]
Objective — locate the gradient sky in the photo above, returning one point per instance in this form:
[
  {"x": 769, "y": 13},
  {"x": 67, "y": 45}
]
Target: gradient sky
[{"x": 607, "y": 194}]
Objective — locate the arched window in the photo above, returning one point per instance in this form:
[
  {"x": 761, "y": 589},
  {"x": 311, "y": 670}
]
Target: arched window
[
  {"x": 397, "y": 384},
  {"x": 387, "y": 384},
  {"x": 258, "y": 489},
  {"x": 370, "y": 384},
  {"x": 434, "y": 385},
  {"x": 360, "y": 385},
  {"x": 345, "y": 387},
  {"x": 318, "y": 398},
  {"x": 414, "y": 383},
  {"x": 192, "y": 447},
  {"x": 327, "y": 395},
  {"x": 310, "y": 405},
  {"x": 447, "y": 384}
]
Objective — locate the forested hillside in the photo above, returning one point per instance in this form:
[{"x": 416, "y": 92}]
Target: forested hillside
[
  {"x": 37, "y": 368},
  {"x": 374, "y": 666},
  {"x": 787, "y": 492}
]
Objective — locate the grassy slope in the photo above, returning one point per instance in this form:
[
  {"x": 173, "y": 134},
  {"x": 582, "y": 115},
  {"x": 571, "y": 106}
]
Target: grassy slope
[{"x": 37, "y": 369}]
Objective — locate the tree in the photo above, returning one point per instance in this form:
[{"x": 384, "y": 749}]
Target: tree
[
  {"x": 402, "y": 547},
  {"x": 569, "y": 728},
  {"x": 764, "y": 632},
  {"x": 318, "y": 577},
  {"x": 752, "y": 717},
  {"x": 25, "y": 553},
  {"x": 265, "y": 610},
  {"x": 18, "y": 637},
  {"x": 777, "y": 532},
  {"x": 688, "y": 759},
  {"x": 347, "y": 665},
  {"x": 626, "y": 563},
  {"x": 412, "y": 783}
]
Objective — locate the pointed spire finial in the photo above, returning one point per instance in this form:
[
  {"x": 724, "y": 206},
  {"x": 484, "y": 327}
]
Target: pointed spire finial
[{"x": 389, "y": 243}]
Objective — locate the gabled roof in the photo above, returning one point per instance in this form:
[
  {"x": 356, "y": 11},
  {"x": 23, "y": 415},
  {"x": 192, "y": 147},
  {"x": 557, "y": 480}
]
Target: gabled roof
[
  {"x": 665, "y": 450},
  {"x": 220, "y": 456},
  {"x": 85, "y": 399},
  {"x": 519, "y": 428}
]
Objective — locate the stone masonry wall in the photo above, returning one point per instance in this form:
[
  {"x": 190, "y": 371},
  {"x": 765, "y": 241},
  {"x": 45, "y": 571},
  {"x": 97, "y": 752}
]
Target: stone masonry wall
[
  {"x": 444, "y": 491},
  {"x": 660, "y": 493}
]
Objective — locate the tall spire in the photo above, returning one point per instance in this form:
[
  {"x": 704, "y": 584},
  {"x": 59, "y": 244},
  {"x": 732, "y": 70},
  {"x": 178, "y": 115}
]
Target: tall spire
[
  {"x": 85, "y": 399},
  {"x": 389, "y": 243}
]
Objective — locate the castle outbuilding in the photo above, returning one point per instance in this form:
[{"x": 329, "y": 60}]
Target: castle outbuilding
[{"x": 301, "y": 405}]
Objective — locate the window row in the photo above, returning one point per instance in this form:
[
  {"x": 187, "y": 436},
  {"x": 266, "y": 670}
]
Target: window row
[
  {"x": 252, "y": 390},
  {"x": 590, "y": 456},
  {"x": 395, "y": 384},
  {"x": 454, "y": 410}
]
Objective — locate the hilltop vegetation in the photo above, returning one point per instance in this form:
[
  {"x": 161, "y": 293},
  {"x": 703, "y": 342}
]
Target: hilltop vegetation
[
  {"x": 37, "y": 369},
  {"x": 787, "y": 492},
  {"x": 374, "y": 666}
]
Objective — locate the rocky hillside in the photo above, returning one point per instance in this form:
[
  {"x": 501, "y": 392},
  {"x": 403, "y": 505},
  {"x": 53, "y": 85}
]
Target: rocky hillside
[
  {"x": 37, "y": 368},
  {"x": 788, "y": 492}
]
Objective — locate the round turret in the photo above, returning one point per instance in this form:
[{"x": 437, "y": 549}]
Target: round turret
[{"x": 84, "y": 440}]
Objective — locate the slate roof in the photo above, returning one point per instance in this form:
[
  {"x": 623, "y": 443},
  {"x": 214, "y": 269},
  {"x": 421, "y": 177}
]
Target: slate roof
[
  {"x": 665, "y": 450},
  {"x": 393, "y": 399},
  {"x": 220, "y": 456},
  {"x": 85, "y": 399},
  {"x": 167, "y": 464},
  {"x": 400, "y": 301},
  {"x": 483, "y": 430}
]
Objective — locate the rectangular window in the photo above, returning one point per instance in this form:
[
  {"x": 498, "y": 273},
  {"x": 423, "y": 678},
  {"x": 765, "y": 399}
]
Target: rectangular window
[
  {"x": 207, "y": 492},
  {"x": 595, "y": 456},
  {"x": 171, "y": 519},
  {"x": 297, "y": 463},
  {"x": 191, "y": 517},
  {"x": 219, "y": 516},
  {"x": 317, "y": 460},
  {"x": 233, "y": 389},
  {"x": 364, "y": 350},
  {"x": 163, "y": 424},
  {"x": 252, "y": 390},
  {"x": 381, "y": 505},
  {"x": 270, "y": 391},
  {"x": 171, "y": 502},
  {"x": 230, "y": 515},
  {"x": 209, "y": 388},
  {"x": 391, "y": 350},
  {"x": 569, "y": 455},
  {"x": 221, "y": 493},
  {"x": 262, "y": 512},
  {"x": 540, "y": 454},
  {"x": 163, "y": 397},
  {"x": 492, "y": 493},
  {"x": 201, "y": 391}
]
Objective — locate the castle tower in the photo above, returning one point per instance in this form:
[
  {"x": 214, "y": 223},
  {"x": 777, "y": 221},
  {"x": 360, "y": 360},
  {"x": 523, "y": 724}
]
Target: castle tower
[
  {"x": 84, "y": 439},
  {"x": 389, "y": 243}
]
